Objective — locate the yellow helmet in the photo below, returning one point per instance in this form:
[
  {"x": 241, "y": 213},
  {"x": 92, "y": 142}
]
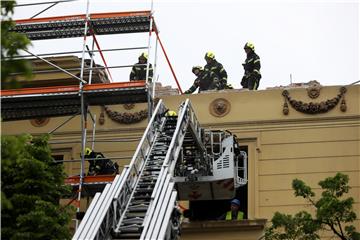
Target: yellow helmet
[
  {"x": 144, "y": 55},
  {"x": 87, "y": 151},
  {"x": 250, "y": 45},
  {"x": 197, "y": 67},
  {"x": 210, "y": 55},
  {"x": 171, "y": 114}
]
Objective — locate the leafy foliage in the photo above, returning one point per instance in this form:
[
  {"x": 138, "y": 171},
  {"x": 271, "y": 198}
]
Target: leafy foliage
[
  {"x": 301, "y": 227},
  {"x": 32, "y": 185},
  {"x": 11, "y": 43},
  {"x": 333, "y": 211}
]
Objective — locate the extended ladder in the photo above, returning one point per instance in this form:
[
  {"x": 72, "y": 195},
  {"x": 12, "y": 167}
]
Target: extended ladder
[{"x": 140, "y": 203}]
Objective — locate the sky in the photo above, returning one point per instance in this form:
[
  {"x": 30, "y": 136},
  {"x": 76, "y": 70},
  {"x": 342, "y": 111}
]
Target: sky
[{"x": 304, "y": 39}]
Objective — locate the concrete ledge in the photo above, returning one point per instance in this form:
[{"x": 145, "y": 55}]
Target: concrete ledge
[{"x": 243, "y": 225}]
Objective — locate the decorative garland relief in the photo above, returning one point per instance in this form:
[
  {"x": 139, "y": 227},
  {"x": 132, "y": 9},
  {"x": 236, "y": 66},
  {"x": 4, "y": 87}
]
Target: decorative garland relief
[{"x": 314, "y": 108}]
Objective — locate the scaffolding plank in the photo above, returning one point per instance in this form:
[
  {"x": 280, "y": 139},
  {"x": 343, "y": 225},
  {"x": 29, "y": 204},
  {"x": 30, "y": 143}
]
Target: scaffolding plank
[
  {"x": 28, "y": 103},
  {"x": 99, "y": 179},
  {"x": 73, "y": 25}
]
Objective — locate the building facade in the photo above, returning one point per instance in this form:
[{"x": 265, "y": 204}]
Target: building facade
[{"x": 308, "y": 133}]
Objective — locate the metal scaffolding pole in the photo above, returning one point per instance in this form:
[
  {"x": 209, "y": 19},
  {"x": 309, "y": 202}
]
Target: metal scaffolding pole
[
  {"x": 168, "y": 61},
  {"x": 62, "y": 124},
  {"x": 102, "y": 56},
  {"x": 83, "y": 116},
  {"x": 93, "y": 118},
  {"x": 55, "y": 66},
  {"x": 92, "y": 60},
  {"x": 72, "y": 52},
  {"x": 155, "y": 68},
  {"x": 149, "y": 85},
  {"x": 40, "y": 3},
  {"x": 43, "y": 10},
  {"x": 74, "y": 69}
]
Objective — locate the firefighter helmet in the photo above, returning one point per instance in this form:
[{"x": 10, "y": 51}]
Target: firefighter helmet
[
  {"x": 250, "y": 46},
  {"x": 210, "y": 55},
  {"x": 144, "y": 55},
  {"x": 197, "y": 67},
  {"x": 171, "y": 114},
  {"x": 87, "y": 151}
]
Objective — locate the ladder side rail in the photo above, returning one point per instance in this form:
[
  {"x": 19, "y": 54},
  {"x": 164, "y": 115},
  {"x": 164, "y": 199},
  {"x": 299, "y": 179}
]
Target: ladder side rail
[
  {"x": 125, "y": 204},
  {"x": 149, "y": 221},
  {"x": 87, "y": 216},
  {"x": 161, "y": 211},
  {"x": 131, "y": 173},
  {"x": 102, "y": 223},
  {"x": 181, "y": 125},
  {"x": 195, "y": 127},
  {"x": 165, "y": 227},
  {"x": 179, "y": 133},
  {"x": 93, "y": 214},
  {"x": 123, "y": 196},
  {"x": 148, "y": 138}
]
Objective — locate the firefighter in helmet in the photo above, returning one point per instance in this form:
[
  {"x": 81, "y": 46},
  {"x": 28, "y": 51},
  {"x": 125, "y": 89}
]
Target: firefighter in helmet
[
  {"x": 252, "y": 76},
  {"x": 138, "y": 71},
  {"x": 98, "y": 164},
  {"x": 206, "y": 80},
  {"x": 213, "y": 65}
]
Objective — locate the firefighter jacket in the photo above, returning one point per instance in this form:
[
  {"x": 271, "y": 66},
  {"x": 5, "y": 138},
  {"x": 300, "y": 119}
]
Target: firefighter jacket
[
  {"x": 138, "y": 72},
  {"x": 206, "y": 80},
  {"x": 99, "y": 164},
  {"x": 252, "y": 65},
  {"x": 218, "y": 69}
]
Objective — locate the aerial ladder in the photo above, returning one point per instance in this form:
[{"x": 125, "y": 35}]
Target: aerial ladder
[{"x": 174, "y": 154}]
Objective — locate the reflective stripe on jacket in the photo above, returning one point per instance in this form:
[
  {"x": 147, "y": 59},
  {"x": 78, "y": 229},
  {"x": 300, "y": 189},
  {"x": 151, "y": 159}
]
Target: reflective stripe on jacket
[{"x": 240, "y": 216}]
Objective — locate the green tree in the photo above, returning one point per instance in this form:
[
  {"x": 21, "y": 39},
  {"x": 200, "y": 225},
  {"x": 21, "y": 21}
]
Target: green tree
[
  {"x": 332, "y": 212},
  {"x": 32, "y": 185},
  {"x": 11, "y": 44}
]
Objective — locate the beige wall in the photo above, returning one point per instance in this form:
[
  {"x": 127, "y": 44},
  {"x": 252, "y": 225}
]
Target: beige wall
[{"x": 281, "y": 148}]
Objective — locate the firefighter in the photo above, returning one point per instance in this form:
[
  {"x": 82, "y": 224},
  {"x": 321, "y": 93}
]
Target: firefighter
[
  {"x": 138, "y": 71},
  {"x": 234, "y": 213},
  {"x": 252, "y": 76},
  {"x": 214, "y": 66},
  {"x": 99, "y": 165},
  {"x": 206, "y": 80}
]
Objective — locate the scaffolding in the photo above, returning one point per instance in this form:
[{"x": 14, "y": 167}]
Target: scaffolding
[{"x": 19, "y": 104}]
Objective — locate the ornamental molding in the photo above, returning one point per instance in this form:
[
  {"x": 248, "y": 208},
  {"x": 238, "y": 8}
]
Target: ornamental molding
[
  {"x": 220, "y": 107},
  {"x": 125, "y": 117},
  {"x": 128, "y": 106},
  {"x": 313, "y": 89},
  {"x": 122, "y": 117},
  {"x": 39, "y": 122},
  {"x": 313, "y": 107}
]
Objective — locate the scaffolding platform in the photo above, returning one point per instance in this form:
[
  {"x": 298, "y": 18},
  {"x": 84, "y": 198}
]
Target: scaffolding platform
[
  {"x": 29, "y": 103},
  {"x": 91, "y": 184},
  {"x": 74, "y": 25}
]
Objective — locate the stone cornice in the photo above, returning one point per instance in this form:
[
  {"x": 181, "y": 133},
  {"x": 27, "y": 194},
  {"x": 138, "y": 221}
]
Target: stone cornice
[{"x": 223, "y": 226}]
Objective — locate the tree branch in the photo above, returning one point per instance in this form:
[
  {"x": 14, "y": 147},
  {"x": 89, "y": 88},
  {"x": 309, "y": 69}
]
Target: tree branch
[
  {"x": 339, "y": 223},
  {"x": 331, "y": 225}
]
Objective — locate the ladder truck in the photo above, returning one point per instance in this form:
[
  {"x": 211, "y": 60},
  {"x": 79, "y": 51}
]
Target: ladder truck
[{"x": 176, "y": 159}]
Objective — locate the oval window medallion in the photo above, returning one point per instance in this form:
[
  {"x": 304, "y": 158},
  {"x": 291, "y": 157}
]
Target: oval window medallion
[{"x": 220, "y": 107}]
